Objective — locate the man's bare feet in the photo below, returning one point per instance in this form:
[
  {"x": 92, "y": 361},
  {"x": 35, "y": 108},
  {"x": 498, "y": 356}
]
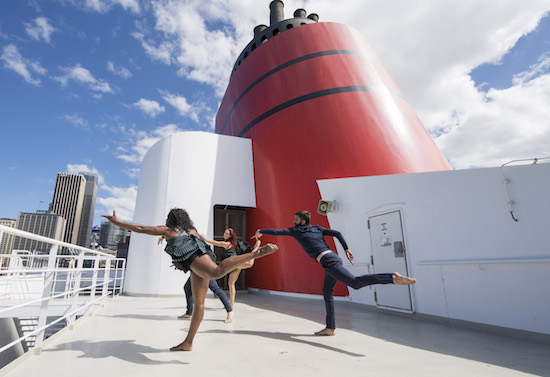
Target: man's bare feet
[
  {"x": 184, "y": 316},
  {"x": 229, "y": 318},
  {"x": 267, "y": 249},
  {"x": 326, "y": 332},
  {"x": 182, "y": 347},
  {"x": 402, "y": 280}
]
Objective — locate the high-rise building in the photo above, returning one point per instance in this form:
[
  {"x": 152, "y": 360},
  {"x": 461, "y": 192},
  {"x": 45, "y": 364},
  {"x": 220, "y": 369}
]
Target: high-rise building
[
  {"x": 42, "y": 223},
  {"x": 88, "y": 211},
  {"x": 111, "y": 235},
  {"x": 74, "y": 199},
  {"x": 6, "y": 241}
]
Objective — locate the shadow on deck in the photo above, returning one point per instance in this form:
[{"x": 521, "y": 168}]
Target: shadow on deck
[{"x": 271, "y": 335}]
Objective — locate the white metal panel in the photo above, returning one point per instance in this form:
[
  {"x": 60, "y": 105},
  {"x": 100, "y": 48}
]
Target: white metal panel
[{"x": 453, "y": 219}]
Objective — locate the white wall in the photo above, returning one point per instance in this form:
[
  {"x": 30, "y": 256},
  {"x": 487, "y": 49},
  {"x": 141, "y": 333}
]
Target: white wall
[
  {"x": 190, "y": 170},
  {"x": 473, "y": 262}
]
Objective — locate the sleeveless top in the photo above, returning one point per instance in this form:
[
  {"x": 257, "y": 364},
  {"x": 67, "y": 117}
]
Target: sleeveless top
[{"x": 183, "y": 247}]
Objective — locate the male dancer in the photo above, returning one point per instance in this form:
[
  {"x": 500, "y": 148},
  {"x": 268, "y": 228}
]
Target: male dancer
[{"x": 310, "y": 237}]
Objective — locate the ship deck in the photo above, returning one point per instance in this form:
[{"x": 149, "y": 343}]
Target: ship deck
[{"x": 272, "y": 335}]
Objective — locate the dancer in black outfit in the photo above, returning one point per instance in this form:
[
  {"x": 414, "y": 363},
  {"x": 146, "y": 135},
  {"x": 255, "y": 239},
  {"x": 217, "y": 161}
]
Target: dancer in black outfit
[{"x": 310, "y": 237}]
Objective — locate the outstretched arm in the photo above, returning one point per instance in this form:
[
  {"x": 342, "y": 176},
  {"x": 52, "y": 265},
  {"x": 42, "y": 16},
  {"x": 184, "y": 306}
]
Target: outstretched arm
[
  {"x": 337, "y": 234},
  {"x": 161, "y": 230},
  {"x": 272, "y": 232},
  {"x": 224, "y": 244}
]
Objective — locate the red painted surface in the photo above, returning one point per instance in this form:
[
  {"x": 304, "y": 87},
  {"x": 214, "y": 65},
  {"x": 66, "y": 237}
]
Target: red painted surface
[{"x": 358, "y": 133}]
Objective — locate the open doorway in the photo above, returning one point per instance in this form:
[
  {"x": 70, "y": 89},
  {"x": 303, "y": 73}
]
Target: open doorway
[{"x": 229, "y": 217}]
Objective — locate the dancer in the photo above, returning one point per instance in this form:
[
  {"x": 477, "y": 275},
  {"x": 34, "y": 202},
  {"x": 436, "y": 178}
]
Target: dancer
[
  {"x": 214, "y": 287},
  {"x": 190, "y": 253},
  {"x": 310, "y": 237},
  {"x": 231, "y": 246}
]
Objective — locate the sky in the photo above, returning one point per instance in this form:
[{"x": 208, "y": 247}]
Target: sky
[{"x": 90, "y": 85}]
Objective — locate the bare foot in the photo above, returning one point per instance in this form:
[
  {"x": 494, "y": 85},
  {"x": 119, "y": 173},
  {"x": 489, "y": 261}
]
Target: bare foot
[
  {"x": 402, "y": 280},
  {"x": 229, "y": 318},
  {"x": 182, "y": 347},
  {"x": 326, "y": 332},
  {"x": 267, "y": 249},
  {"x": 184, "y": 316}
]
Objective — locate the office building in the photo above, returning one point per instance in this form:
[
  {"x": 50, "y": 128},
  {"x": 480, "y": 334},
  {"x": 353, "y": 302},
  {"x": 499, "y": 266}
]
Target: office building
[
  {"x": 88, "y": 211},
  {"x": 111, "y": 235},
  {"x": 74, "y": 199},
  {"x": 42, "y": 223},
  {"x": 6, "y": 240}
]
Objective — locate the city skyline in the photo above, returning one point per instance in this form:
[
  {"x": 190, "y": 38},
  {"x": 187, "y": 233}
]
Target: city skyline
[{"x": 90, "y": 86}]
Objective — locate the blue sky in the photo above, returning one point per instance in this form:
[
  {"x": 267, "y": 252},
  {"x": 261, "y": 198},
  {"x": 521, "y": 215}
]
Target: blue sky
[{"x": 90, "y": 85}]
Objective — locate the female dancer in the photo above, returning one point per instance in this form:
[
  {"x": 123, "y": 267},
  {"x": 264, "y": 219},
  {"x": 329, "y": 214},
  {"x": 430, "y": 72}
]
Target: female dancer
[
  {"x": 190, "y": 253},
  {"x": 230, "y": 246}
]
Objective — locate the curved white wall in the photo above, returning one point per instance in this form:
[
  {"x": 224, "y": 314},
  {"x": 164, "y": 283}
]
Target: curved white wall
[{"x": 191, "y": 170}]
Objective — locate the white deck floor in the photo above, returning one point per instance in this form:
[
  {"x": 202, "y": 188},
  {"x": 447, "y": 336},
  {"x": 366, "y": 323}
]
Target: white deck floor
[{"x": 272, "y": 336}]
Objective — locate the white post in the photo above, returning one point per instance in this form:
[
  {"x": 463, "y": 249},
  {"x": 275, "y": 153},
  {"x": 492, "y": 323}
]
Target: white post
[
  {"x": 94, "y": 277},
  {"x": 76, "y": 286},
  {"x": 106, "y": 277},
  {"x": 46, "y": 293}
]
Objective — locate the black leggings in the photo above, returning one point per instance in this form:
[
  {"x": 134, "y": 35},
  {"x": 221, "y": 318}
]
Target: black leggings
[
  {"x": 214, "y": 287},
  {"x": 335, "y": 271}
]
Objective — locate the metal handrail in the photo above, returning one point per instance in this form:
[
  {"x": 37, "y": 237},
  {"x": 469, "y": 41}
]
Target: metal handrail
[{"x": 51, "y": 276}]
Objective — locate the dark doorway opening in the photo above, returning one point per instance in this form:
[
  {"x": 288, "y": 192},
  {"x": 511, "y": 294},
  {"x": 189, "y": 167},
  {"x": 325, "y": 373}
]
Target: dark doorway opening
[{"x": 229, "y": 217}]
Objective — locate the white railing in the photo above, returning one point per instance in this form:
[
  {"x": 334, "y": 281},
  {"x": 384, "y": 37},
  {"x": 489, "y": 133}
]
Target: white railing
[{"x": 64, "y": 282}]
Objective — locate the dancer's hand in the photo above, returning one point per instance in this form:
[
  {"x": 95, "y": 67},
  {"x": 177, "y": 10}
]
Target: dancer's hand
[
  {"x": 350, "y": 256},
  {"x": 257, "y": 245},
  {"x": 113, "y": 219},
  {"x": 159, "y": 242},
  {"x": 257, "y": 235}
]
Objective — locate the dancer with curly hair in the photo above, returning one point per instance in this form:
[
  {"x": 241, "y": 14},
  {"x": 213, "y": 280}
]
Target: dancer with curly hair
[{"x": 190, "y": 253}]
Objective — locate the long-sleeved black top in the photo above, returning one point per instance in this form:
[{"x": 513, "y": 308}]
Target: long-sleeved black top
[{"x": 310, "y": 237}]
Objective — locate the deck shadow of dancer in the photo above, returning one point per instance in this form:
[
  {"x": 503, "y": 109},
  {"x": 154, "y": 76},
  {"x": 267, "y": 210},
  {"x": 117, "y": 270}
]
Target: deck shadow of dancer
[
  {"x": 125, "y": 350},
  {"x": 286, "y": 337}
]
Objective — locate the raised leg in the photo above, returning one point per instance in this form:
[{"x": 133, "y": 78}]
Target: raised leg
[{"x": 204, "y": 267}]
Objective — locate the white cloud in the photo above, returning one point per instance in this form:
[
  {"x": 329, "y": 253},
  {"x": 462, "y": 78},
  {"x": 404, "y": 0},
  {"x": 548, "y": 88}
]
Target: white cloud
[
  {"x": 510, "y": 124},
  {"x": 141, "y": 141},
  {"x": 119, "y": 70},
  {"x": 182, "y": 106},
  {"x": 104, "y": 6},
  {"x": 184, "y": 36},
  {"x": 162, "y": 52},
  {"x": 39, "y": 29},
  {"x": 82, "y": 76},
  {"x": 542, "y": 67},
  {"x": 75, "y": 120},
  {"x": 122, "y": 200},
  {"x": 25, "y": 67},
  {"x": 83, "y": 168},
  {"x": 149, "y": 107}
]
